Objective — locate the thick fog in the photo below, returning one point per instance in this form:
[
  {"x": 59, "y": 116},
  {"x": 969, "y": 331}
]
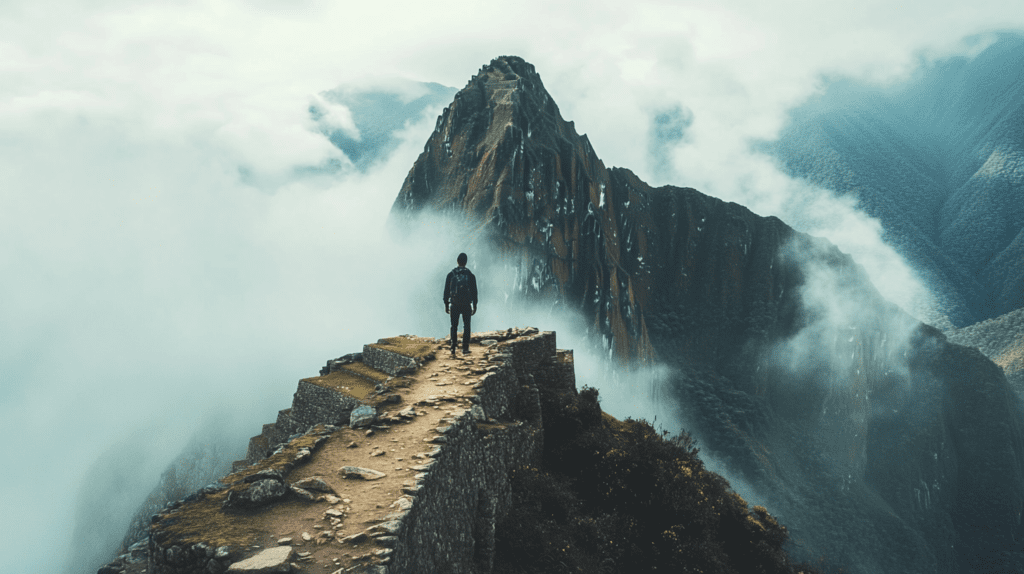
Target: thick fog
[{"x": 182, "y": 236}]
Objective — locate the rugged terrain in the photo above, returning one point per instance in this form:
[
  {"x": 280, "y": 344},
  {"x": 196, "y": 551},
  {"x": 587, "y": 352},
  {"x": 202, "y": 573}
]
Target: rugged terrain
[
  {"x": 474, "y": 463},
  {"x": 881, "y": 445},
  {"x": 357, "y": 479}
]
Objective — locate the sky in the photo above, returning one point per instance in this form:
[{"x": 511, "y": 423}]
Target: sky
[{"x": 180, "y": 242}]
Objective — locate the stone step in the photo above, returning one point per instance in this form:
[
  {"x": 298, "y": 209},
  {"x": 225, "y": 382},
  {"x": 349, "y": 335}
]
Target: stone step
[
  {"x": 364, "y": 372},
  {"x": 398, "y": 356}
]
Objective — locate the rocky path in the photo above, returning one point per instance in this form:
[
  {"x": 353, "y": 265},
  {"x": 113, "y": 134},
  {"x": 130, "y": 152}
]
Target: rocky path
[
  {"x": 331, "y": 534},
  {"x": 344, "y": 485}
]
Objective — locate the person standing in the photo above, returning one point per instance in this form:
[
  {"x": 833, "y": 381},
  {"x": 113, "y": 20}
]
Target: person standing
[{"x": 460, "y": 299}]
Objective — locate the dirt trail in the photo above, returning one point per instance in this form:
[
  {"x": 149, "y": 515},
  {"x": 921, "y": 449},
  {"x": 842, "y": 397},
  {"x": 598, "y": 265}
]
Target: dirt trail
[
  {"x": 326, "y": 533},
  {"x": 437, "y": 392}
]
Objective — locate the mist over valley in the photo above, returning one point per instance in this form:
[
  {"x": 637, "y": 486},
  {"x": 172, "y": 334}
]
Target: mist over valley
[{"x": 177, "y": 258}]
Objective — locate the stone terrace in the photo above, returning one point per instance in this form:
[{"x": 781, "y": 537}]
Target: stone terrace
[{"x": 393, "y": 460}]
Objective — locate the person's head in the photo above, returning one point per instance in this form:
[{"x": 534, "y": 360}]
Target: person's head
[{"x": 462, "y": 259}]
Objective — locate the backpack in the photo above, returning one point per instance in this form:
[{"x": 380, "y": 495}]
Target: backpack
[{"x": 460, "y": 285}]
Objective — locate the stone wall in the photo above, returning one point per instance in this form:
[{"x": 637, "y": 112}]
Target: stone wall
[
  {"x": 314, "y": 405},
  {"x": 450, "y": 524},
  {"x": 390, "y": 362}
]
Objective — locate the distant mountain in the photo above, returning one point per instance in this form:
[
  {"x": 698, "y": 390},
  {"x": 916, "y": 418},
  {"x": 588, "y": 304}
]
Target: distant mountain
[
  {"x": 940, "y": 162},
  {"x": 883, "y": 447}
]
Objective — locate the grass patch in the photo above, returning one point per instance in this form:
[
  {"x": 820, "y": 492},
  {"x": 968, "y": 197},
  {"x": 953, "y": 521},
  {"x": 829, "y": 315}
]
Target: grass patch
[
  {"x": 204, "y": 519},
  {"x": 355, "y": 379},
  {"x": 362, "y": 370},
  {"x": 418, "y": 349}
]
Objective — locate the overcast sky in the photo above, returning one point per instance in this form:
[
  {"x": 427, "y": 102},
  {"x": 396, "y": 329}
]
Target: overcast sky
[{"x": 170, "y": 254}]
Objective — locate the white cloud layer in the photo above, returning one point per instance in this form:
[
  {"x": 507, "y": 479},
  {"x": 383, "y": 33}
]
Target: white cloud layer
[{"x": 167, "y": 255}]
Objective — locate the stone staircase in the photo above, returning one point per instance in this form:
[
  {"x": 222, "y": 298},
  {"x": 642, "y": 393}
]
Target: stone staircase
[{"x": 344, "y": 384}]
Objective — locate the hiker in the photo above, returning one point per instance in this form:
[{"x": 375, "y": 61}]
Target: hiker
[{"x": 460, "y": 299}]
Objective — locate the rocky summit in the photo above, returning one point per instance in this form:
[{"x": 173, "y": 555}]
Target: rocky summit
[{"x": 880, "y": 444}]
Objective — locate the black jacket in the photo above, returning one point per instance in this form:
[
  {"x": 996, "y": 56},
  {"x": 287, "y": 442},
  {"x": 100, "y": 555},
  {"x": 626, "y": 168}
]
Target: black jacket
[{"x": 471, "y": 296}]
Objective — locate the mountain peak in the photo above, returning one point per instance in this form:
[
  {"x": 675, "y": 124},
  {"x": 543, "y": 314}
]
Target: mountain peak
[
  {"x": 507, "y": 68},
  {"x": 488, "y": 145}
]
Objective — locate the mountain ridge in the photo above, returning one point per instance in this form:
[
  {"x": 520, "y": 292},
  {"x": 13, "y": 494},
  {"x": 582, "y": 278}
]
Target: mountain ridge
[{"x": 790, "y": 367}]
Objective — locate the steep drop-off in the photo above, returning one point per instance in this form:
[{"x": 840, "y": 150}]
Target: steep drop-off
[
  {"x": 881, "y": 445},
  {"x": 1002, "y": 340}
]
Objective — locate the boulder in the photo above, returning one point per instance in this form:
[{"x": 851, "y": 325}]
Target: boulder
[
  {"x": 257, "y": 494},
  {"x": 268, "y": 561},
  {"x": 362, "y": 416}
]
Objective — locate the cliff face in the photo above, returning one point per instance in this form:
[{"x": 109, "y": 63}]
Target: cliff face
[{"x": 879, "y": 444}]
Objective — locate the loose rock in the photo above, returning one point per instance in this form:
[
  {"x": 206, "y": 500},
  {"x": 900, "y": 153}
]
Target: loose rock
[
  {"x": 316, "y": 483},
  {"x": 384, "y": 528},
  {"x": 355, "y": 538},
  {"x": 303, "y": 455},
  {"x": 359, "y": 472},
  {"x": 304, "y": 494},
  {"x": 266, "y": 562}
]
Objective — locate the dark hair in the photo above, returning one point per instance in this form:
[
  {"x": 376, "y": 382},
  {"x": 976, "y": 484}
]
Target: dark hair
[{"x": 462, "y": 259}]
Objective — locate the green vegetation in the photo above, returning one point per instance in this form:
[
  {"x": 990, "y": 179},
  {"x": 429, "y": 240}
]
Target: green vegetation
[{"x": 614, "y": 496}]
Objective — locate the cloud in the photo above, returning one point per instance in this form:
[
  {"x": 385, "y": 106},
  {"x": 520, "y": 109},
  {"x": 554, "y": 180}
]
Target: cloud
[{"x": 173, "y": 250}]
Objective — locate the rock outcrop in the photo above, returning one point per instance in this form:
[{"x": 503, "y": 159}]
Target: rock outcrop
[{"x": 883, "y": 446}]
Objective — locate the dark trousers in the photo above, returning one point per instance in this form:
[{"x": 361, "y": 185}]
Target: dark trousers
[{"x": 465, "y": 312}]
